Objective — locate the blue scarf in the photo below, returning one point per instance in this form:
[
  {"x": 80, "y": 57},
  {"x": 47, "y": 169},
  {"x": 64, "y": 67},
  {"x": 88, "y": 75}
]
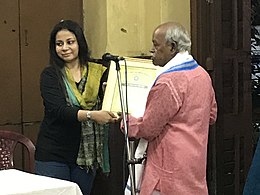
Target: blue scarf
[{"x": 188, "y": 65}]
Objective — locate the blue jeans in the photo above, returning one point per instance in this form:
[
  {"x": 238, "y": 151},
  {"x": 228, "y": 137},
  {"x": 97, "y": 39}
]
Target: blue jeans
[
  {"x": 84, "y": 178},
  {"x": 252, "y": 185}
]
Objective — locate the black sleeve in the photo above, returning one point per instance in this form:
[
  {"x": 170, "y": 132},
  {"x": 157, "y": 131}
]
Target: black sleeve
[{"x": 54, "y": 98}]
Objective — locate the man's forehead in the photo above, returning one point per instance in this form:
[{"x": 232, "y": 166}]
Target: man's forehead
[{"x": 158, "y": 35}]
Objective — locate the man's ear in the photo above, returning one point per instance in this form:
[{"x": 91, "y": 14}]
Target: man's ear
[{"x": 174, "y": 46}]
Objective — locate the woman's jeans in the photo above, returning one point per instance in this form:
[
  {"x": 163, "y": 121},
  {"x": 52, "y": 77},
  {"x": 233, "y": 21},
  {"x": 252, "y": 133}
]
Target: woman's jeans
[{"x": 84, "y": 178}]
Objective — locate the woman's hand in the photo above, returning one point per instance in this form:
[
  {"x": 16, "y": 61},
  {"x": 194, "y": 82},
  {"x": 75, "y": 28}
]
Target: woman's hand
[{"x": 102, "y": 116}]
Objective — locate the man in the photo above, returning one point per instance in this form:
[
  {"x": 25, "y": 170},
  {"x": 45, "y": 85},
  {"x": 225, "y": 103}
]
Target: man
[{"x": 180, "y": 107}]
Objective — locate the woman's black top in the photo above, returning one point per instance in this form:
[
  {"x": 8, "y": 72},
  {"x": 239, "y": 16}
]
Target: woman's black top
[{"x": 60, "y": 131}]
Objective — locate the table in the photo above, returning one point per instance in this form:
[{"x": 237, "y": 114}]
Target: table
[{"x": 13, "y": 181}]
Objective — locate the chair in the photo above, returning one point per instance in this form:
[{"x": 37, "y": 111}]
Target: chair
[{"x": 8, "y": 143}]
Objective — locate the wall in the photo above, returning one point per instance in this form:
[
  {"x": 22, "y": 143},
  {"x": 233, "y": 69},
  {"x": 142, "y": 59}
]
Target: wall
[{"x": 125, "y": 28}]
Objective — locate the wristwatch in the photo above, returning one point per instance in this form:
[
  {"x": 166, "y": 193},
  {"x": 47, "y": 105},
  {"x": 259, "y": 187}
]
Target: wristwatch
[{"x": 89, "y": 115}]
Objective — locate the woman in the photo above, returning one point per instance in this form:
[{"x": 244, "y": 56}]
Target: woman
[{"x": 70, "y": 143}]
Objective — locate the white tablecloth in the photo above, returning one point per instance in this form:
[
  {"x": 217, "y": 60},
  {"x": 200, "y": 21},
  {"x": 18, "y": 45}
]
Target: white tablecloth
[{"x": 15, "y": 182}]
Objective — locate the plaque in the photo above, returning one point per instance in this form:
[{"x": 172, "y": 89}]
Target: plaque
[{"x": 137, "y": 77}]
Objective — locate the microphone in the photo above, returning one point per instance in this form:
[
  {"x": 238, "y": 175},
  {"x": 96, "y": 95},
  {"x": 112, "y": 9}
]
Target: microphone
[{"x": 108, "y": 57}]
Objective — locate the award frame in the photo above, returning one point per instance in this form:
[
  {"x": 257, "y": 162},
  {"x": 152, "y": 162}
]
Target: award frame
[{"x": 141, "y": 74}]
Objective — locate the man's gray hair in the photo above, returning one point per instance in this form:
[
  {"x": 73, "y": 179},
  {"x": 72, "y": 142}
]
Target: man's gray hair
[{"x": 180, "y": 37}]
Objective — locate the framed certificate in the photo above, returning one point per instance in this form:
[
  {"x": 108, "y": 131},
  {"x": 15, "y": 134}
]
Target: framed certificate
[{"x": 141, "y": 74}]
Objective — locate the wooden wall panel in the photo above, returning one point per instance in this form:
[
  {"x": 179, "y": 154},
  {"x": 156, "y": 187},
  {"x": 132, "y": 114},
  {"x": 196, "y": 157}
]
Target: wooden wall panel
[{"x": 10, "y": 95}]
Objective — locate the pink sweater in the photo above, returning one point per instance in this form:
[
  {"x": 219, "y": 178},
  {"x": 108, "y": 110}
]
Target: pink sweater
[{"x": 180, "y": 108}]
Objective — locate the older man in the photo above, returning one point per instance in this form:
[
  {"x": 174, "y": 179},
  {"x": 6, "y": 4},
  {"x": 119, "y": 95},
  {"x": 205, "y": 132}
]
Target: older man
[{"x": 180, "y": 107}]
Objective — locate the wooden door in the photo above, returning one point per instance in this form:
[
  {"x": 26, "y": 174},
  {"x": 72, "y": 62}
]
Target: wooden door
[
  {"x": 10, "y": 109},
  {"x": 221, "y": 43}
]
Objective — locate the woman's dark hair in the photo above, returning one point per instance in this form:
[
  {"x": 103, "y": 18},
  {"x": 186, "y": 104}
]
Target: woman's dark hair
[{"x": 78, "y": 32}]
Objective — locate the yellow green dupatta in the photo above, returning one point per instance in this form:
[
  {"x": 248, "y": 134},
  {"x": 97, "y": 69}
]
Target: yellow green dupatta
[
  {"x": 88, "y": 98},
  {"x": 93, "y": 151}
]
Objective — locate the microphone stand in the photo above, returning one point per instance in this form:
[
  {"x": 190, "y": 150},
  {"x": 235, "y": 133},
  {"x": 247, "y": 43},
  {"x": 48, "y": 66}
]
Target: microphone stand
[{"x": 129, "y": 144}]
